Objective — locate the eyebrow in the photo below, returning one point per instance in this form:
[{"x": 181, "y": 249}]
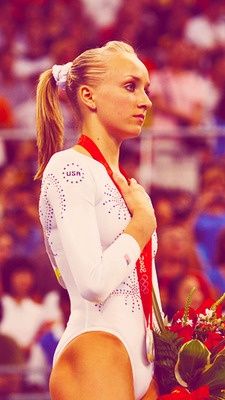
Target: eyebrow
[{"x": 137, "y": 78}]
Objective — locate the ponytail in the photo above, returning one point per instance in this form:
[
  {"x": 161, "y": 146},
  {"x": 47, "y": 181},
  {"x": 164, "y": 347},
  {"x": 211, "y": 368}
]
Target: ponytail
[
  {"x": 87, "y": 68},
  {"x": 49, "y": 121}
]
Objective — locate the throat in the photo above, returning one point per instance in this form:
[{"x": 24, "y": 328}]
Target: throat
[{"x": 105, "y": 147}]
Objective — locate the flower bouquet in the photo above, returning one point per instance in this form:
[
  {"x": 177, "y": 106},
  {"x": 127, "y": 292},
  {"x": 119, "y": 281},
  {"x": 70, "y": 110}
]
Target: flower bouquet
[{"x": 190, "y": 353}]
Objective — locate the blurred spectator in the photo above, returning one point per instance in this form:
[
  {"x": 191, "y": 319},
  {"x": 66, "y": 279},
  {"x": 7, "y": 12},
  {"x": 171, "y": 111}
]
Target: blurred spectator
[
  {"x": 181, "y": 287},
  {"x": 11, "y": 364},
  {"x": 207, "y": 30},
  {"x": 180, "y": 42},
  {"x": 23, "y": 317},
  {"x": 172, "y": 207},
  {"x": 7, "y": 121},
  {"x": 11, "y": 177},
  {"x": 177, "y": 253},
  {"x": 103, "y": 12},
  {"x": 177, "y": 103},
  {"x": 26, "y": 233},
  {"x": 42, "y": 351},
  {"x": 6, "y": 246},
  {"x": 163, "y": 209},
  {"x": 130, "y": 158},
  {"x": 2, "y": 153},
  {"x": 216, "y": 272},
  {"x": 25, "y": 157},
  {"x": 210, "y": 211},
  {"x": 173, "y": 89},
  {"x": 49, "y": 339},
  {"x": 178, "y": 16},
  {"x": 66, "y": 49},
  {"x": 218, "y": 77},
  {"x": 7, "y": 26},
  {"x": 129, "y": 20},
  {"x": 32, "y": 52},
  {"x": 6, "y": 114},
  {"x": 13, "y": 89},
  {"x": 183, "y": 204}
]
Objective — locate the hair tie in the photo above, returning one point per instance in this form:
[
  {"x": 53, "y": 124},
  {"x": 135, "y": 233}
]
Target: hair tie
[{"x": 60, "y": 73}]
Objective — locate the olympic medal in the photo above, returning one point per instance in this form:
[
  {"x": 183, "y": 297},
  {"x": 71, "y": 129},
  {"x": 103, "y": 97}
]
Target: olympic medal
[{"x": 150, "y": 351}]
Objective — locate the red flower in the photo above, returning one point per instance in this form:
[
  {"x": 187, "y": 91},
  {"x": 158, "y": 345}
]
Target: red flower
[
  {"x": 213, "y": 339},
  {"x": 192, "y": 315},
  {"x": 184, "y": 332},
  {"x": 184, "y": 329},
  {"x": 207, "y": 304},
  {"x": 181, "y": 393}
]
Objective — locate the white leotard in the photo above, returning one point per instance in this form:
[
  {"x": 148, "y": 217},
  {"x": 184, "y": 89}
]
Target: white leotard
[{"x": 83, "y": 217}]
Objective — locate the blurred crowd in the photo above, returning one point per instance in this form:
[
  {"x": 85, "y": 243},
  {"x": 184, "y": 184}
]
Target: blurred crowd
[{"x": 182, "y": 43}]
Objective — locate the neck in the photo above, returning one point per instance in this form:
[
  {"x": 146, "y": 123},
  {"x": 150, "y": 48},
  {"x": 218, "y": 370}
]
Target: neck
[
  {"x": 108, "y": 145},
  {"x": 18, "y": 299}
]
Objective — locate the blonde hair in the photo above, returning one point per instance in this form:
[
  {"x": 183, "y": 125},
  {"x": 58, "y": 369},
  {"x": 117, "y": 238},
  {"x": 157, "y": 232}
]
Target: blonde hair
[{"x": 87, "y": 68}]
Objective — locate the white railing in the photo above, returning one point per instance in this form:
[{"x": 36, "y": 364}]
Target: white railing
[
  {"x": 147, "y": 133},
  {"x": 150, "y": 145}
]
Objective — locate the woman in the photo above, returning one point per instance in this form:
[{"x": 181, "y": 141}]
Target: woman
[{"x": 96, "y": 224}]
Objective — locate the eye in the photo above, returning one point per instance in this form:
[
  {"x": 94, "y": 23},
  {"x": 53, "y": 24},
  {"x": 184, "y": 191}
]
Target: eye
[
  {"x": 131, "y": 86},
  {"x": 148, "y": 93}
]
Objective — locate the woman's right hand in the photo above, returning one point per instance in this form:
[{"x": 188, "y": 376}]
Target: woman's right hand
[{"x": 137, "y": 200}]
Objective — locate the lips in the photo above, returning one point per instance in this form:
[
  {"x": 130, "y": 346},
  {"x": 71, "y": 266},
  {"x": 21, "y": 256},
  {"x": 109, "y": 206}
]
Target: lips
[{"x": 141, "y": 117}]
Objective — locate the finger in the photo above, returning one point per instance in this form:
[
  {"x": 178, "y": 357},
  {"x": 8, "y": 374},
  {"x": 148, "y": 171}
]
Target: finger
[
  {"x": 136, "y": 185},
  {"x": 132, "y": 181},
  {"x": 120, "y": 180}
]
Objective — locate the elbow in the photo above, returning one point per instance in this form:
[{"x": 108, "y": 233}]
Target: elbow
[
  {"x": 94, "y": 295},
  {"x": 94, "y": 286}
]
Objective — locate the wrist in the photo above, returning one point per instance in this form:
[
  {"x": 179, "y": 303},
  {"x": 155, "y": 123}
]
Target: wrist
[
  {"x": 144, "y": 217},
  {"x": 141, "y": 228}
]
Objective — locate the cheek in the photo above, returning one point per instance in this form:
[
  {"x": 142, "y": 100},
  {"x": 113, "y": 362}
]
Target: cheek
[{"x": 113, "y": 103}]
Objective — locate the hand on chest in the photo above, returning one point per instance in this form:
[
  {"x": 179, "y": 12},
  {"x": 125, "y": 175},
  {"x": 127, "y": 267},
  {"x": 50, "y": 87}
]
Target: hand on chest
[{"x": 111, "y": 212}]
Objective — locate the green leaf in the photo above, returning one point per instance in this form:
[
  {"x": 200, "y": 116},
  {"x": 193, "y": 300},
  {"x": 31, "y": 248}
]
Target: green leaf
[
  {"x": 216, "y": 351},
  {"x": 214, "y": 375},
  {"x": 167, "y": 345},
  {"x": 193, "y": 357}
]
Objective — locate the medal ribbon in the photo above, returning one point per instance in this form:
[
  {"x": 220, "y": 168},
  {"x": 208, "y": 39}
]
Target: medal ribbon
[{"x": 144, "y": 263}]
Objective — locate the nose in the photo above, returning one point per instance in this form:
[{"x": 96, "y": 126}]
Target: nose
[{"x": 145, "y": 102}]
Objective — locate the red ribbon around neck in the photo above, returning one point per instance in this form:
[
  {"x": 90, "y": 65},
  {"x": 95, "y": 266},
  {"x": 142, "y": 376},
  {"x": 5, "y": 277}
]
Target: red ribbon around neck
[{"x": 144, "y": 263}]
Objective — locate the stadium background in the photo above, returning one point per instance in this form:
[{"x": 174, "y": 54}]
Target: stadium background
[{"x": 179, "y": 158}]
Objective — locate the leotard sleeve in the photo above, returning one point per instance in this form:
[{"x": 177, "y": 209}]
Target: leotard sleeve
[{"x": 73, "y": 198}]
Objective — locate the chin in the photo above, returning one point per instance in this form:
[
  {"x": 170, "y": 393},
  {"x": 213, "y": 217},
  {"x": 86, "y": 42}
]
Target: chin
[
  {"x": 127, "y": 133},
  {"x": 131, "y": 134}
]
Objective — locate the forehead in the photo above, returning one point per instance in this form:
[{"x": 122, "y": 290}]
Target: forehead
[{"x": 121, "y": 66}]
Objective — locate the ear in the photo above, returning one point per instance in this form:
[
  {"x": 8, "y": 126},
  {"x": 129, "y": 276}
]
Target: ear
[{"x": 86, "y": 94}]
